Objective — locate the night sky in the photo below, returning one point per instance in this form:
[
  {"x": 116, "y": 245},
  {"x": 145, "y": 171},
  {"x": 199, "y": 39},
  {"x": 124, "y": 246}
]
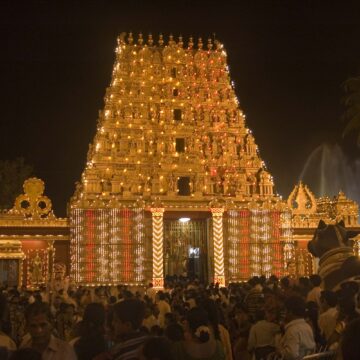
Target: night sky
[{"x": 287, "y": 61}]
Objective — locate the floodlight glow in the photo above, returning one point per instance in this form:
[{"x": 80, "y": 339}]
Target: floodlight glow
[{"x": 184, "y": 219}]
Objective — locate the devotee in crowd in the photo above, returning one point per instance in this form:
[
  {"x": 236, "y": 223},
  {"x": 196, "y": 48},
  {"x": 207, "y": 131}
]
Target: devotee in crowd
[
  {"x": 174, "y": 332},
  {"x": 347, "y": 313},
  {"x": 315, "y": 293},
  {"x": 240, "y": 325},
  {"x": 156, "y": 348},
  {"x": 329, "y": 315},
  {"x": 150, "y": 319},
  {"x": 200, "y": 343},
  {"x": 40, "y": 338},
  {"x": 197, "y": 320},
  {"x": 65, "y": 321},
  {"x": 163, "y": 307},
  {"x": 350, "y": 344},
  {"x": 128, "y": 316},
  {"x": 254, "y": 299},
  {"x": 312, "y": 318},
  {"x": 218, "y": 329},
  {"x": 298, "y": 338},
  {"x": 5, "y": 341},
  {"x": 263, "y": 334},
  {"x": 91, "y": 341},
  {"x": 151, "y": 292}
]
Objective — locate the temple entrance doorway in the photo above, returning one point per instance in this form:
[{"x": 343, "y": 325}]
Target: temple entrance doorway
[{"x": 186, "y": 244}]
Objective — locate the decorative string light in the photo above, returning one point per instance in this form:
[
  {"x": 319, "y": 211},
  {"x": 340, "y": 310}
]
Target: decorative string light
[
  {"x": 154, "y": 99},
  {"x": 108, "y": 246},
  {"x": 259, "y": 243}
]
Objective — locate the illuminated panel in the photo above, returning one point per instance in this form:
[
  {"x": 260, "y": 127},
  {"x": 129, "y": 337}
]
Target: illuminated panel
[
  {"x": 90, "y": 246},
  {"x": 255, "y": 248},
  {"x": 139, "y": 244},
  {"x": 114, "y": 242},
  {"x": 218, "y": 238},
  {"x": 259, "y": 243},
  {"x": 107, "y": 246},
  {"x": 126, "y": 245},
  {"x": 244, "y": 231},
  {"x": 276, "y": 251},
  {"x": 286, "y": 237},
  {"x": 265, "y": 243},
  {"x": 233, "y": 244}
]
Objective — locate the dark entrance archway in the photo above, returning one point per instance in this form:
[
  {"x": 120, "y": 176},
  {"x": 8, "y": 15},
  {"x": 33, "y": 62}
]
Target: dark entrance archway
[{"x": 186, "y": 244}]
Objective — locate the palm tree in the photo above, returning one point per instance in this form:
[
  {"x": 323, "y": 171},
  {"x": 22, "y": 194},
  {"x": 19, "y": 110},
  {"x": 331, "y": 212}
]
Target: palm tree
[
  {"x": 352, "y": 106},
  {"x": 13, "y": 173}
]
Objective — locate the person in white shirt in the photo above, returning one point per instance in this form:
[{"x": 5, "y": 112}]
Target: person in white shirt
[
  {"x": 262, "y": 335},
  {"x": 149, "y": 320},
  {"x": 298, "y": 339},
  {"x": 151, "y": 292},
  {"x": 38, "y": 324},
  {"x": 163, "y": 307},
  {"x": 315, "y": 293},
  {"x": 328, "y": 317}
]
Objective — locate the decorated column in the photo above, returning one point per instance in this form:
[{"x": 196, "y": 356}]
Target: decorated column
[
  {"x": 219, "y": 270},
  {"x": 157, "y": 247}
]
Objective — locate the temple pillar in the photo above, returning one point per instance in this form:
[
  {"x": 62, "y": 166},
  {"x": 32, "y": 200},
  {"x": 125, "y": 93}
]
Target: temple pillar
[
  {"x": 157, "y": 247},
  {"x": 218, "y": 238}
]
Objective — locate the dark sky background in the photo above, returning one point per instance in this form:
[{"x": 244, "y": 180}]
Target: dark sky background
[{"x": 288, "y": 60}]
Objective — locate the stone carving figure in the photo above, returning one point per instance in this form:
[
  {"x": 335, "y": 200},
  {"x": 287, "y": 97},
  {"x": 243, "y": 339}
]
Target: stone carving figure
[
  {"x": 36, "y": 270},
  {"x": 331, "y": 243}
]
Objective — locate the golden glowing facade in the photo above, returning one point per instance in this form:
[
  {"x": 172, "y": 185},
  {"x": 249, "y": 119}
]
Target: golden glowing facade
[
  {"x": 173, "y": 185},
  {"x": 172, "y": 139},
  {"x": 32, "y": 239},
  {"x": 307, "y": 211}
]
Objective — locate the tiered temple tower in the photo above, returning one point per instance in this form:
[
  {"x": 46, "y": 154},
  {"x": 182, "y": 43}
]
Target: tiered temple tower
[{"x": 172, "y": 138}]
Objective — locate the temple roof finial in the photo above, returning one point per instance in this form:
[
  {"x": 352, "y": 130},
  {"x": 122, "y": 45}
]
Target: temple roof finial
[
  {"x": 150, "y": 40},
  {"x": 209, "y": 45},
  {"x": 130, "y": 38},
  {"x": 171, "y": 39},
  {"x": 140, "y": 39},
  {"x": 200, "y": 43},
  {"x": 161, "y": 40},
  {"x": 180, "y": 41},
  {"x": 121, "y": 38},
  {"x": 191, "y": 42}
]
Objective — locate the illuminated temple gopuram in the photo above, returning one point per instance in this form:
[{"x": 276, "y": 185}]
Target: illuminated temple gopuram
[{"x": 174, "y": 184}]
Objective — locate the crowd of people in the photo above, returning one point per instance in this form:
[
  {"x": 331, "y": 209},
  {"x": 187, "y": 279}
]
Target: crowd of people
[{"x": 260, "y": 319}]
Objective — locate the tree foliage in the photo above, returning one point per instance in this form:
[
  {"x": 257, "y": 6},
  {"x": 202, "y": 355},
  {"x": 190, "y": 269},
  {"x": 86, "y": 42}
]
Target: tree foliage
[
  {"x": 352, "y": 106},
  {"x": 13, "y": 173}
]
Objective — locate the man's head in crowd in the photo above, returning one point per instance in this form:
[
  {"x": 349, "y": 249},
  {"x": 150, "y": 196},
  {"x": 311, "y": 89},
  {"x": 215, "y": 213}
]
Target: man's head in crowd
[
  {"x": 156, "y": 348},
  {"x": 127, "y": 317},
  {"x": 315, "y": 280},
  {"x": 295, "y": 308},
  {"x": 285, "y": 282},
  {"x": 255, "y": 280},
  {"x": 161, "y": 295},
  {"x": 38, "y": 323},
  {"x": 328, "y": 299}
]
